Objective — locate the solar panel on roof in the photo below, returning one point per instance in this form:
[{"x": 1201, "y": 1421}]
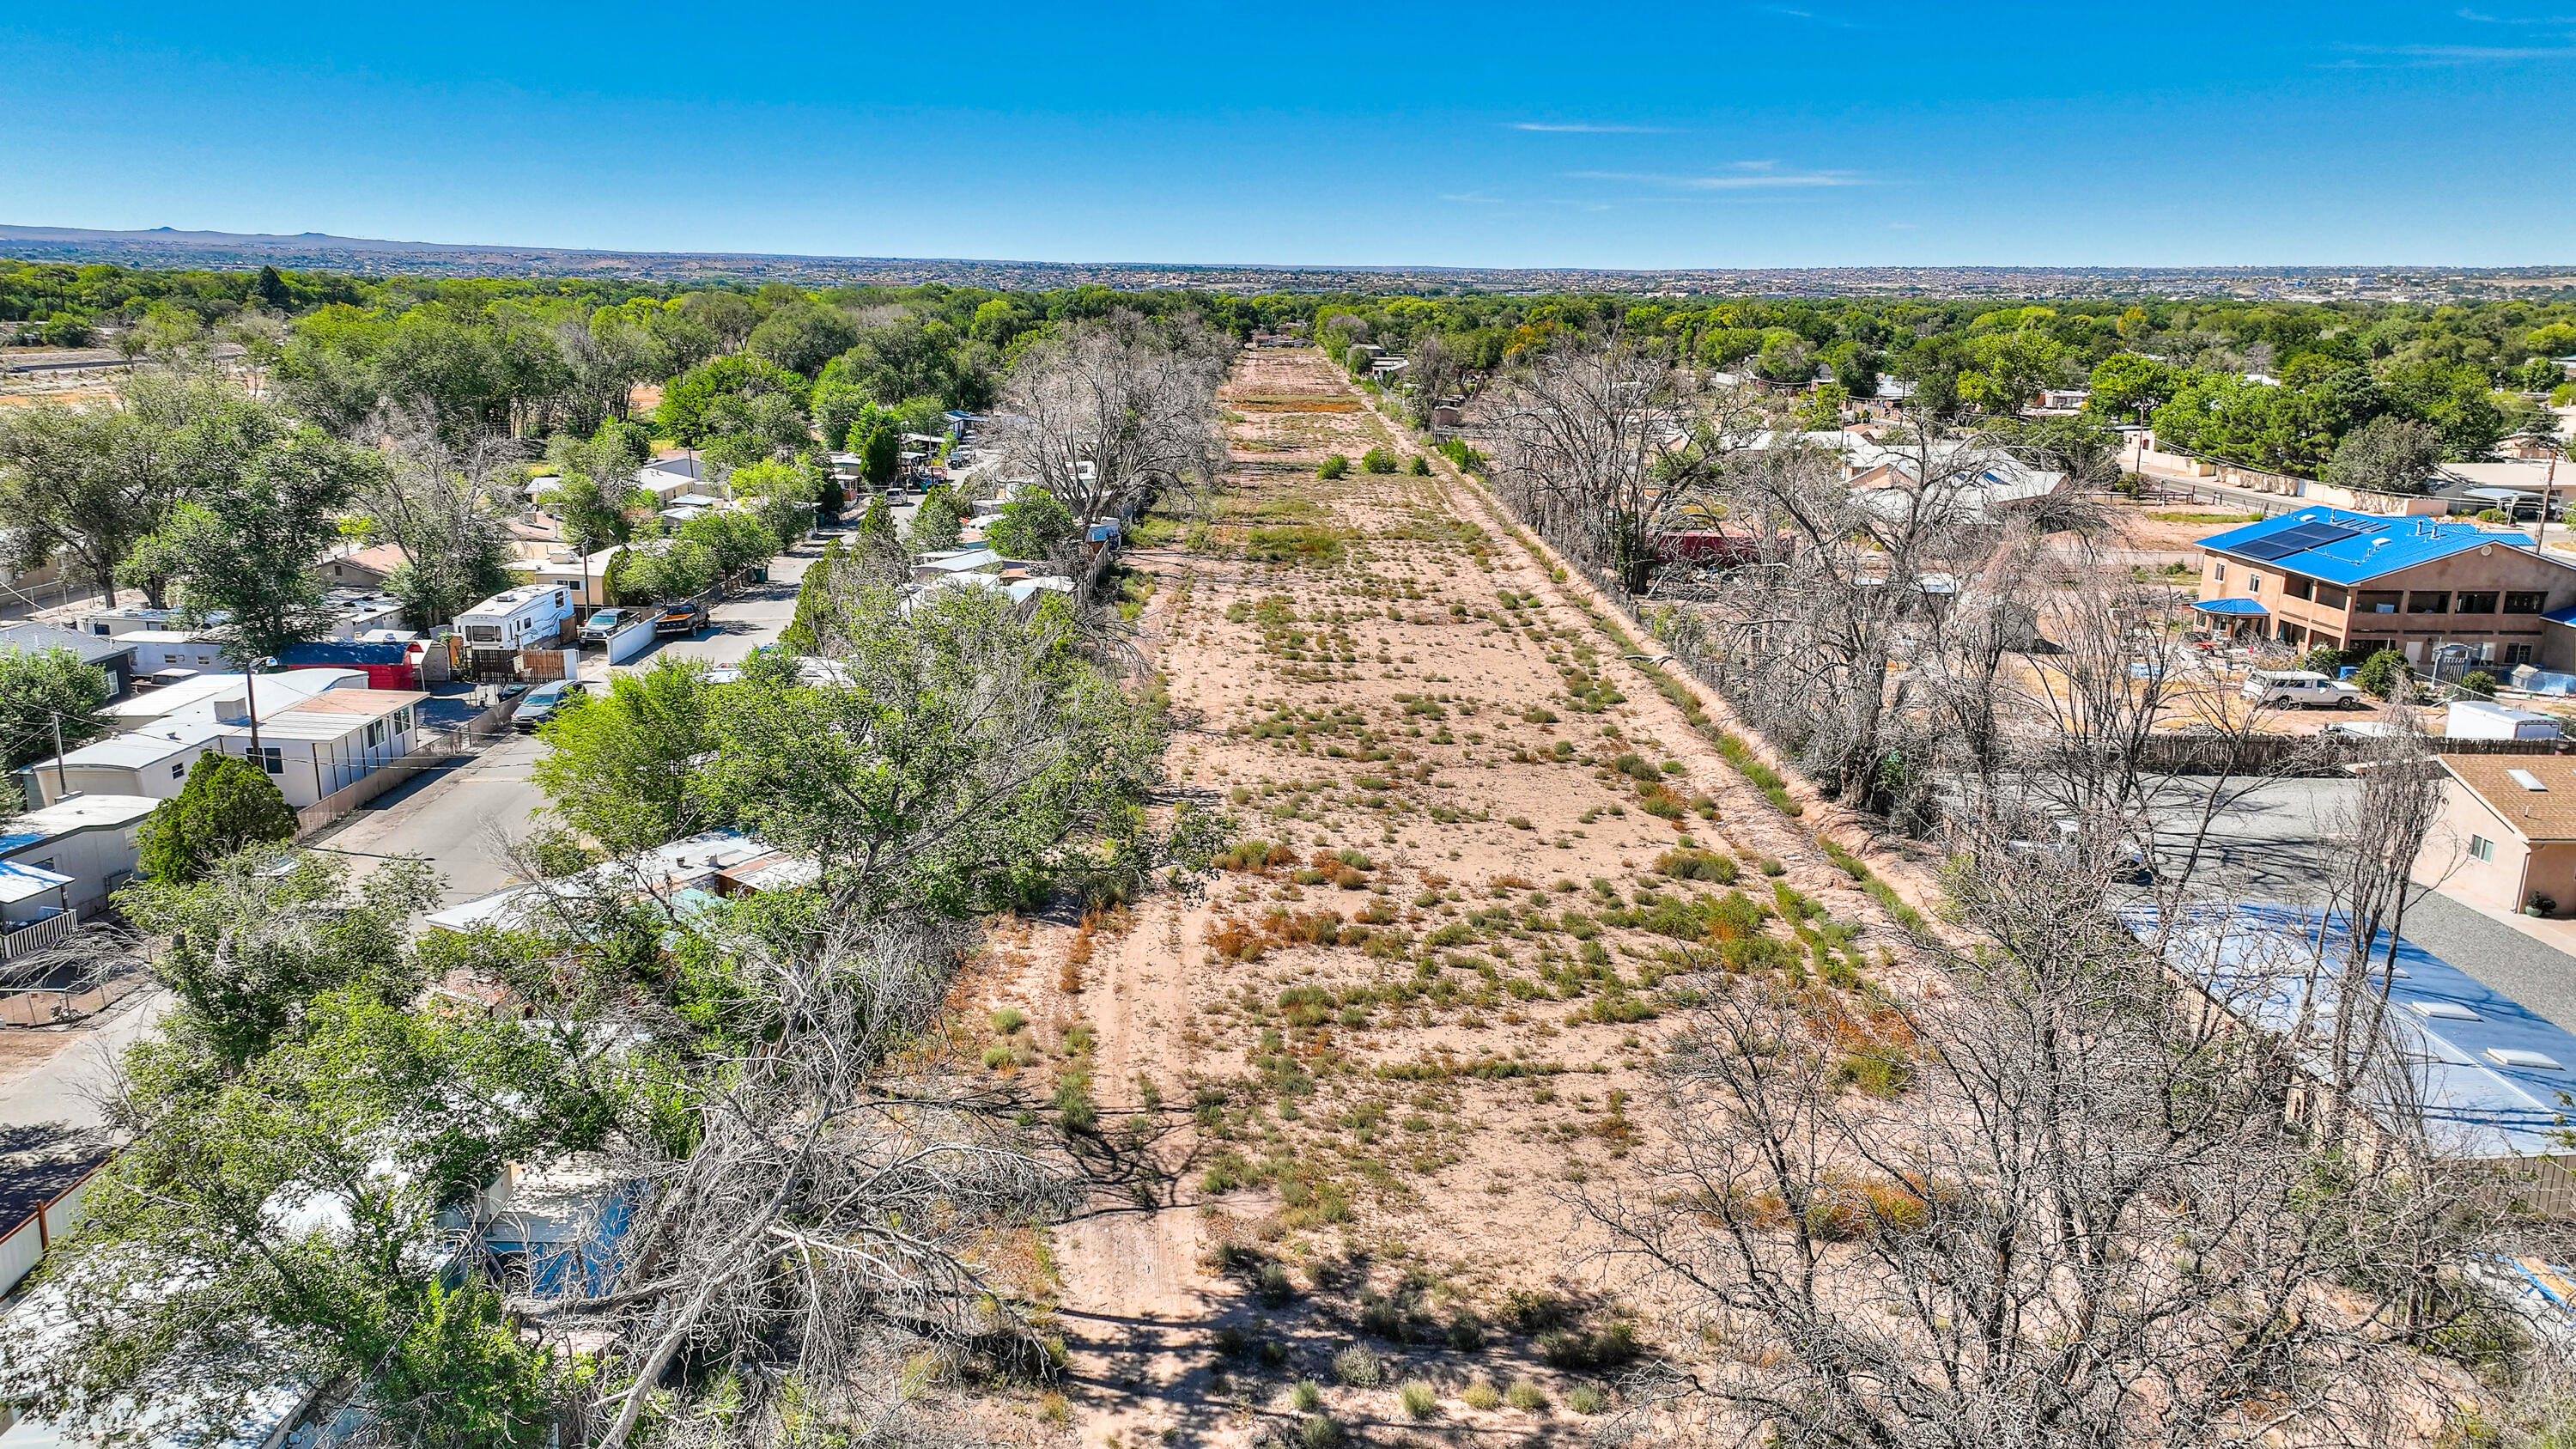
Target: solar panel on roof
[
  {"x": 2299, "y": 538},
  {"x": 2276, "y": 546}
]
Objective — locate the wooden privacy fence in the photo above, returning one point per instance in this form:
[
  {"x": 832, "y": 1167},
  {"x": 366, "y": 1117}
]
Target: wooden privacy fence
[
  {"x": 23, "y": 1245},
  {"x": 2259, "y": 754}
]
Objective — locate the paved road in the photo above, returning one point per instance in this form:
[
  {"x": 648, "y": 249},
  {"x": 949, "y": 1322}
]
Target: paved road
[
  {"x": 2272, "y": 845},
  {"x": 50, "y": 1125},
  {"x": 463, "y": 817},
  {"x": 742, "y": 623}
]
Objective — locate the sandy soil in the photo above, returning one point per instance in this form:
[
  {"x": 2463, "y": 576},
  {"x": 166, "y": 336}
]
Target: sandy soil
[{"x": 1304, "y": 1147}]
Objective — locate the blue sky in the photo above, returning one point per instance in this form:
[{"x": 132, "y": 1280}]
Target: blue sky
[{"x": 1609, "y": 134}]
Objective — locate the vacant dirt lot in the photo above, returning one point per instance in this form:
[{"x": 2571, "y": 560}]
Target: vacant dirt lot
[{"x": 1339, "y": 1109}]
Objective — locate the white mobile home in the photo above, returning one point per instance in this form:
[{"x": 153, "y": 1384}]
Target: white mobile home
[{"x": 531, "y": 616}]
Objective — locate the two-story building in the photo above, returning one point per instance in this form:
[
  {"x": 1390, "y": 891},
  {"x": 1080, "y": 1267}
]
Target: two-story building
[{"x": 2329, "y": 578}]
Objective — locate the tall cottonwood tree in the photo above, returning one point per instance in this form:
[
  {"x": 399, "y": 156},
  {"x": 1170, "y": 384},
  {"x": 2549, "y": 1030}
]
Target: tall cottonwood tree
[
  {"x": 1116, "y": 410},
  {"x": 1609, "y": 448}
]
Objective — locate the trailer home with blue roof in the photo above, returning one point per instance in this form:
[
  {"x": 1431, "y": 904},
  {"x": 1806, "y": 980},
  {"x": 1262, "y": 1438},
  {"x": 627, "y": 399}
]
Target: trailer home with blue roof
[{"x": 2331, "y": 578}]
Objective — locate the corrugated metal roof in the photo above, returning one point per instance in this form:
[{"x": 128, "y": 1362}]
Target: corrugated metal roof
[
  {"x": 2475, "y": 1054},
  {"x": 2353, "y": 547}
]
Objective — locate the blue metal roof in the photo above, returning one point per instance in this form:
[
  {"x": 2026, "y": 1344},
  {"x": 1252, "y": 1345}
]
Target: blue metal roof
[
  {"x": 2343, "y": 547},
  {"x": 2476, "y": 1054},
  {"x": 2230, "y": 606}
]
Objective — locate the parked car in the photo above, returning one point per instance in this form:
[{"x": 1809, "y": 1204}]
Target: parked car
[
  {"x": 2364, "y": 729},
  {"x": 542, "y": 704},
  {"x": 686, "y": 617},
  {"x": 598, "y": 627},
  {"x": 2304, "y": 688}
]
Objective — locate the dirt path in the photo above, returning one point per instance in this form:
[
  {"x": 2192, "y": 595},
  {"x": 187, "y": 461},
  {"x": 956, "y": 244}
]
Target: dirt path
[{"x": 1349, "y": 1104}]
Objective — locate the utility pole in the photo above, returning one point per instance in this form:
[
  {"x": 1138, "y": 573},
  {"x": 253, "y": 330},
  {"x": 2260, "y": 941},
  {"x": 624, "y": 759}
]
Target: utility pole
[
  {"x": 62, "y": 777},
  {"x": 2548, "y": 482},
  {"x": 250, "y": 702}
]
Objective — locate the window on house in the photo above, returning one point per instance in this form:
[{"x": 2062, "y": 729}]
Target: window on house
[
  {"x": 2481, "y": 848},
  {"x": 2217, "y": 570},
  {"x": 271, "y": 759},
  {"x": 375, "y": 733},
  {"x": 2478, "y": 603},
  {"x": 2298, "y": 588},
  {"x": 2328, "y": 596},
  {"x": 2436, "y": 602},
  {"x": 402, "y": 720},
  {"x": 2517, "y": 654},
  {"x": 2381, "y": 601},
  {"x": 2525, "y": 603},
  {"x": 179, "y": 771}
]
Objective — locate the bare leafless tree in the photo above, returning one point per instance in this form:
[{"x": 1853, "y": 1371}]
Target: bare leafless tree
[
  {"x": 2092, "y": 1220},
  {"x": 1116, "y": 411},
  {"x": 1607, "y": 449},
  {"x": 433, "y": 501},
  {"x": 826, "y": 1196}
]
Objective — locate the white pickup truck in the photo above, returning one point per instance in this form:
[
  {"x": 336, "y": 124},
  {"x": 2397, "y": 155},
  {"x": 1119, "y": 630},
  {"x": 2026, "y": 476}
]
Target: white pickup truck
[{"x": 2304, "y": 688}]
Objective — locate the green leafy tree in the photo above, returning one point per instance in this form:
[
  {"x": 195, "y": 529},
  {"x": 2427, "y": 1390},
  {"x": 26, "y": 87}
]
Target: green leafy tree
[
  {"x": 734, "y": 540},
  {"x": 815, "y": 597},
  {"x": 41, "y": 690},
  {"x": 2009, "y": 369},
  {"x": 244, "y": 545},
  {"x": 2455, "y": 400},
  {"x": 804, "y": 336},
  {"x": 736, "y": 379},
  {"x": 618, "y": 766},
  {"x": 2125, "y": 386},
  {"x": 2381, "y": 673},
  {"x": 936, "y": 524},
  {"x": 92, "y": 483},
  {"x": 1377, "y": 460},
  {"x": 920, "y": 784},
  {"x": 1785, "y": 358},
  {"x": 227, "y": 804},
  {"x": 1333, "y": 466},
  {"x": 880, "y": 452},
  {"x": 286, "y": 1211},
  {"x": 2387, "y": 455},
  {"x": 843, "y": 411},
  {"x": 660, "y": 570},
  {"x": 1032, "y": 526},
  {"x": 1823, "y": 410}
]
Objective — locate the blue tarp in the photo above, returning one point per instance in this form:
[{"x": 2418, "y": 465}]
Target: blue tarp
[
  {"x": 2238, "y": 607},
  {"x": 336, "y": 651},
  {"x": 2542, "y": 681}
]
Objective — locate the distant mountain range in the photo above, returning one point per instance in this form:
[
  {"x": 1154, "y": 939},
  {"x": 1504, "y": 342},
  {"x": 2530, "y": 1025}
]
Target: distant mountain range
[{"x": 167, "y": 247}]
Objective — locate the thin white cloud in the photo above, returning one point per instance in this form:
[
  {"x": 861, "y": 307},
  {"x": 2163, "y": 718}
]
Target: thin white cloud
[
  {"x": 1591, "y": 128},
  {"x": 2517, "y": 19},
  {"x": 2473, "y": 54},
  {"x": 1743, "y": 180},
  {"x": 1793, "y": 13}
]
